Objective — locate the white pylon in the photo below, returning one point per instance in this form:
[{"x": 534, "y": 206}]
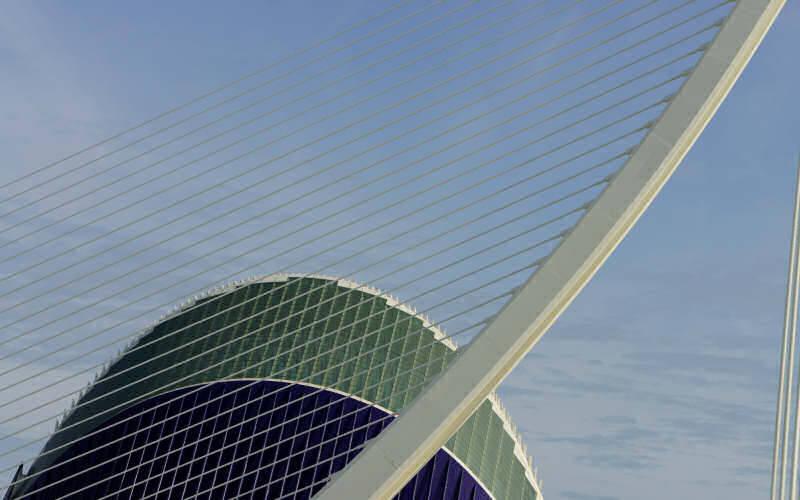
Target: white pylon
[{"x": 782, "y": 421}]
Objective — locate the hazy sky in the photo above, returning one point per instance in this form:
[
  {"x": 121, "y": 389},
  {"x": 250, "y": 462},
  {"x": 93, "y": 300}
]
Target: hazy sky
[{"x": 660, "y": 379}]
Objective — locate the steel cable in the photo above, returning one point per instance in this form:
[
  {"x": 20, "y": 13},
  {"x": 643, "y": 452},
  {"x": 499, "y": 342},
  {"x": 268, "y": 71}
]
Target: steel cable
[
  {"x": 562, "y": 146},
  {"x": 108, "y": 344},
  {"x": 247, "y": 122},
  {"x": 282, "y": 172},
  {"x": 532, "y": 265},
  {"x": 406, "y": 284},
  {"x": 242, "y": 320},
  {"x": 551, "y": 203},
  {"x": 485, "y": 147},
  {"x": 250, "y": 75}
]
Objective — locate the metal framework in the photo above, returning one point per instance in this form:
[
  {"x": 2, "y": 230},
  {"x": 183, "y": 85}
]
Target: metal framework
[
  {"x": 552, "y": 182},
  {"x": 388, "y": 462}
]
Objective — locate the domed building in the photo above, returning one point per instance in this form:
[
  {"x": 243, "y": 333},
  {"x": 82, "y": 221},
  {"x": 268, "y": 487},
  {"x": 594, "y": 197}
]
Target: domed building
[{"x": 265, "y": 389}]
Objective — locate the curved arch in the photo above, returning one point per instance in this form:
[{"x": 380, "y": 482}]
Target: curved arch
[{"x": 447, "y": 402}]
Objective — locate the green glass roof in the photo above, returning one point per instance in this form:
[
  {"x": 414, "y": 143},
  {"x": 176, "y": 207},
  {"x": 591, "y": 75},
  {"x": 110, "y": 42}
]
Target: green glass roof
[{"x": 315, "y": 330}]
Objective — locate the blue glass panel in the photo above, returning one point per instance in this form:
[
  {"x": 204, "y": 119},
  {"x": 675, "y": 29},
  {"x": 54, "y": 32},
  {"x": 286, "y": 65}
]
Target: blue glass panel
[{"x": 282, "y": 440}]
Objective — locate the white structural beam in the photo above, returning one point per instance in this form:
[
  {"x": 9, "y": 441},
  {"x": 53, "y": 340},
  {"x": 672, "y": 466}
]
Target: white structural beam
[
  {"x": 778, "y": 459},
  {"x": 796, "y": 445},
  {"x": 390, "y": 460}
]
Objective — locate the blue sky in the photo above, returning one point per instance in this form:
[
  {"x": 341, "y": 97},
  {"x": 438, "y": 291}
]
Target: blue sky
[{"x": 659, "y": 380}]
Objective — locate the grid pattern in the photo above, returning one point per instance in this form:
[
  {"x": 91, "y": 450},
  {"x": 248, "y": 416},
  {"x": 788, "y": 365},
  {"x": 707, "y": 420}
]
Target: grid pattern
[
  {"x": 346, "y": 339},
  {"x": 225, "y": 466}
]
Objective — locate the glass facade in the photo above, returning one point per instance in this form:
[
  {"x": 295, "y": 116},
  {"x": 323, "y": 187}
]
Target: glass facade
[
  {"x": 315, "y": 334},
  {"x": 250, "y": 448}
]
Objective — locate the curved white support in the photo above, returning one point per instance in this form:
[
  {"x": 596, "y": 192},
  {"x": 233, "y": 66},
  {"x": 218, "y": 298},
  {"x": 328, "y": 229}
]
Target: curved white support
[{"x": 388, "y": 462}]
